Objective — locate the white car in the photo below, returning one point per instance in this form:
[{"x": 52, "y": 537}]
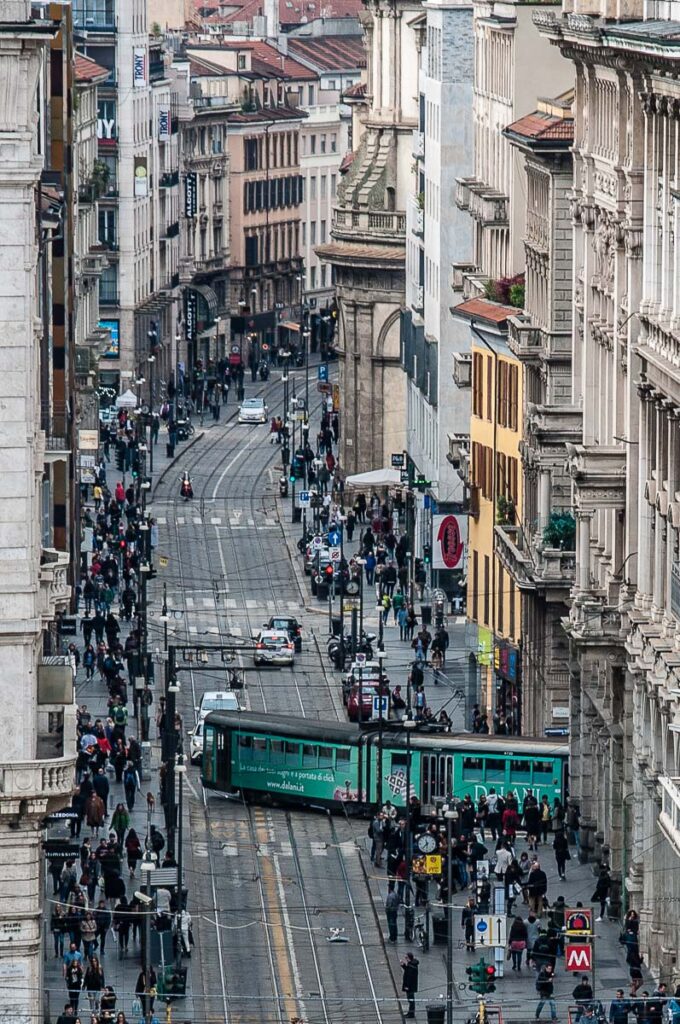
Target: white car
[
  {"x": 196, "y": 743},
  {"x": 273, "y": 647},
  {"x": 217, "y": 700},
  {"x": 252, "y": 410}
]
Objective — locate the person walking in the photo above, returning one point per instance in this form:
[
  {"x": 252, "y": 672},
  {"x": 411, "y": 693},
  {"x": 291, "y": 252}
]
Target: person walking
[
  {"x": 409, "y": 982},
  {"x": 93, "y": 983},
  {"x": 537, "y": 887},
  {"x": 131, "y": 784},
  {"x": 103, "y": 919},
  {"x": 58, "y": 925},
  {"x": 601, "y": 894},
  {"x": 619, "y": 1008},
  {"x": 392, "y": 903},
  {"x": 467, "y": 923},
  {"x": 545, "y": 986},
  {"x": 74, "y": 983},
  {"x": 95, "y": 813},
  {"x": 582, "y": 995},
  {"x": 562, "y": 855},
  {"x": 517, "y": 942},
  {"x": 120, "y": 822},
  {"x": 88, "y": 933},
  {"x": 133, "y": 849}
]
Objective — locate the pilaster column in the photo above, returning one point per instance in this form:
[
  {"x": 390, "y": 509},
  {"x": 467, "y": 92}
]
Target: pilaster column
[
  {"x": 583, "y": 521},
  {"x": 544, "y": 489}
]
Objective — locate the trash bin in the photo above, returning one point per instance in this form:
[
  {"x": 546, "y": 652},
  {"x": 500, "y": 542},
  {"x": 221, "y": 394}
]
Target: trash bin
[
  {"x": 336, "y": 622},
  {"x": 321, "y": 590},
  {"x": 436, "y": 1012},
  {"x": 297, "y": 515},
  {"x": 439, "y": 930},
  {"x": 426, "y": 614}
]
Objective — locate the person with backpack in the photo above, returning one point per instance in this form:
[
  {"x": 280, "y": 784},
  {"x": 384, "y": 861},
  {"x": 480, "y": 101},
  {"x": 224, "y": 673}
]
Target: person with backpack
[
  {"x": 131, "y": 784},
  {"x": 386, "y": 603}
]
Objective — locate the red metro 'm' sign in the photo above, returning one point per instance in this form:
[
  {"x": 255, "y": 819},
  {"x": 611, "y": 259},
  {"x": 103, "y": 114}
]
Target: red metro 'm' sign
[{"x": 450, "y": 542}]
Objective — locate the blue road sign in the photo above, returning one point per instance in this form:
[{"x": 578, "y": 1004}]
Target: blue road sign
[
  {"x": 334, "y": 538},
  {"x": 322, "y": 370}
]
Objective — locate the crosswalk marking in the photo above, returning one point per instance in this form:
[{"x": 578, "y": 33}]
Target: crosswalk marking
[
  {"x": 180, "y": 520},
  {"x": 236, "y": 630},
  {"x": 216, "y": 520},
  {"x": 250, "y": 603},
  {"x": 198, "y": 521},
  {"x": 286, "y": 849},
  {"x": 230, "y": 849},
  {"x": 161, "y": 520},
  {"x": 318, "y": 849},
  {"x": 207, "y": 603},
  {"x": 189, "y": 602},
  {"x": 230, "y": 602},
  {"x": 193, "y": 629}
]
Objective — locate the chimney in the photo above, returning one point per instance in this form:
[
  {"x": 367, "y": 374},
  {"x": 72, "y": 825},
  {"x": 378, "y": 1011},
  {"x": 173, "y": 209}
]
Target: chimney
[
  {"x": 15, "y": 12},
  {"x": 271, "y": 13}
]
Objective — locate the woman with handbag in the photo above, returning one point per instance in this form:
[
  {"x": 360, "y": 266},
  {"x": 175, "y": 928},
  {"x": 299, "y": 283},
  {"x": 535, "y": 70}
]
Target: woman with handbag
[
  {"x": 562, "y": 855},
  {"x": 517, "y": 942}
]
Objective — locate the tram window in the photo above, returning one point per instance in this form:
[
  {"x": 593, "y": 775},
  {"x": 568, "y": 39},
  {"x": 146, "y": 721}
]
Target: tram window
[
  {"x": 308, "y": 755},
  {"x": 259, "y": 748},
  {"x": 325, "y": 757},
  {"x": 472, "y": 767},
  {"x": 495, "y": 770},
  {"x": 342, "y": 756},
  {"x": 544, "y": 769},
  {"x": 245, "y": 748},
  {"x": 291, "y": 753},
  {"x": 520, "y": 771},
  {"x": 277, "y": 750},
  {"x": 399, "y": 760}
]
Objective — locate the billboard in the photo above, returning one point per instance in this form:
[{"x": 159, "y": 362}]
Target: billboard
[
  {"x": 139, "y": 68},
  {"x": 164, "y": 123},
  {"x": 113, "y": 327},
  {"x": 190, "y": 189},
  {"x": 449, "y": 534},
  {"x": 141, "y": 176}
]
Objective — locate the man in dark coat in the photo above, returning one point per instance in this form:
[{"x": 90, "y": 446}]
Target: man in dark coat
[{"x": 409, "y": 982}]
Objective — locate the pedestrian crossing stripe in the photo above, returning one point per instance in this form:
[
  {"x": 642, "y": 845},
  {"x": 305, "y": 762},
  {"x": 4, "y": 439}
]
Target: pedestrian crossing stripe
[{"x": 234, "y": 522}]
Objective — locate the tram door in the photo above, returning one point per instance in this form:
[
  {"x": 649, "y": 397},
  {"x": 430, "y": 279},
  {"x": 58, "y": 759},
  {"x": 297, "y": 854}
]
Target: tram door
[{"x": 436, "y": 777}]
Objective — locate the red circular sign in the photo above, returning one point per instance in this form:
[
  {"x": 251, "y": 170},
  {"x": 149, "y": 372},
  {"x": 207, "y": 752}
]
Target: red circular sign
[{"x": 450, "y": 542}]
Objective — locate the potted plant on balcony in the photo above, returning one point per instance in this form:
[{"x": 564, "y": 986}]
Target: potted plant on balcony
[
  {"x": 560, "y": 532},
  {"x": 505, "y": 511}
]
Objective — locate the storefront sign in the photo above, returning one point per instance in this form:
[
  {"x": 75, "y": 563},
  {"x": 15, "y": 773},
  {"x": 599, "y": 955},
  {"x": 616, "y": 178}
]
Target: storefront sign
[
  {"x": 190, "y": 312},
  {"x": 88, "y": 441},
  {"x": 190, "y": 189},
  {"x": 113, "y": 327},
  {"x": 141, "y": 176},
  {"x": 164, "y": 123},
  {"x": 506, "y": 661},
  {"x": 449, "y": 534},
  {"x": 139, "y": 68}
]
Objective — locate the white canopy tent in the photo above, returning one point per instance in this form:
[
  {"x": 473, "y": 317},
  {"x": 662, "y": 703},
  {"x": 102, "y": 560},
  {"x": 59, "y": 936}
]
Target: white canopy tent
[
  {"x": 128, "y": 400},
  {"x": 385, "y": 477}
]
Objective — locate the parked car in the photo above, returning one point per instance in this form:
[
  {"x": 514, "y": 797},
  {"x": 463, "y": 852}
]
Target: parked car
[
  {"x": 252, "y": 410},
  {"x": 273, "y": 647},
  {"x": 287, "y": 624},
  {"x": 196, "y": 743},
  {"x": 217, "y": 700}
]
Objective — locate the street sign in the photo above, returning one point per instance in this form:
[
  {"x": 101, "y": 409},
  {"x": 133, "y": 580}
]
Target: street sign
[
  {"x": 377, "y": 701},
  {"x": 360, "y": 658},
  {"x": 324, "y": 388},
  {"x": 350, "y": 604},
  {"x": 68, "y": 625},
  {"x": 397, "y": 460},
  {"x": 403, "y": 477},
  {"x": 322, "y": 372},
  {"x": 578, "y": 921},
  {"x": 303, "y": 499},
  {"x": 578, "y": 956},
  {"x": 334, "y": 554},
  {"x": 317, "y": 541},
  {"x": 334, "y": 538},
  {"x": 490, "y": 930},
  {"x": 163, "y": 561}
]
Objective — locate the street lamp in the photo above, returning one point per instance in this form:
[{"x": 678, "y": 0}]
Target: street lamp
[
  {"x": 450, "y": 815},
  {"x": 180, "y": 771},
  {"x": 146, "y": 867},
  {"x": 408, "y": 724},
  {"x": 382, "y": 654}
]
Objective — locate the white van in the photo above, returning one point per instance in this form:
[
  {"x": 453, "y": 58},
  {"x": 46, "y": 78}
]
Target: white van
[{"x": 217, "y": 700}]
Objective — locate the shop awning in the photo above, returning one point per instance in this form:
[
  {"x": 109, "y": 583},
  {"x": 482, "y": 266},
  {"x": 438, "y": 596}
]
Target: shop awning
[
  {"x": 208, "y": 295},
  {"x": 128, "y": 400},
  {"x": 385, "y": 477}
]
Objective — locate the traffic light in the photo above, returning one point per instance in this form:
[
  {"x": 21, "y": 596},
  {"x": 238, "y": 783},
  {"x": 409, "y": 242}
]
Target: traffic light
[
  {"x": 427, "y": 554},
  {"x": 120, "y": 456},
  {"x": 482, "y": 977},
  {"x": 329, "y": 571}
]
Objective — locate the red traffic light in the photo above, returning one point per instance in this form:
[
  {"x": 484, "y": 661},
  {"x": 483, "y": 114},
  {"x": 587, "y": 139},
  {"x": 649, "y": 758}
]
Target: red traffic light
[
  {"x": 329, "y": 570},
  {"x": 491, "y": 971}
]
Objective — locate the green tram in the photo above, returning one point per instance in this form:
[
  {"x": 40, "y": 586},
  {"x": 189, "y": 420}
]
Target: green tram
[{"x": 280, "y": 759}]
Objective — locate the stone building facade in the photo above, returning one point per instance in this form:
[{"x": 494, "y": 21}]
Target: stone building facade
[
  {"x": 38, "y": 759},
  {"x": 367, "y": 250},
  {"x": 538, "y": 551}
]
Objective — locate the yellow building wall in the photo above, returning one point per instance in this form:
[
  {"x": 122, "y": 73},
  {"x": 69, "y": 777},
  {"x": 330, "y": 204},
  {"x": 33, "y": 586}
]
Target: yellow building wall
[{"x": 498, "y": 612}]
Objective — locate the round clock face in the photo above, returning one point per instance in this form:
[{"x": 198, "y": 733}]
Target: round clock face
[
  {"x": 426, "y": 843},
  {"x": 352, "y": 587}
]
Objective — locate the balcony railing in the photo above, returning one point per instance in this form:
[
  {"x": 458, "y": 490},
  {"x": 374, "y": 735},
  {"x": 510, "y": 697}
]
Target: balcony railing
[
  {"x": 485, "y": 204},
  {"x": 418, "y": 144},
  {"x": 55, "y": 592},
  {"x": 669, "y": 818},
  {"x": 168, "y": 179},
  {"x": 369, "y": 222},
  {"x": 532, "y": 565},
  {"x": 54, "y": 420},
  {"x": 48, "y": 780}
]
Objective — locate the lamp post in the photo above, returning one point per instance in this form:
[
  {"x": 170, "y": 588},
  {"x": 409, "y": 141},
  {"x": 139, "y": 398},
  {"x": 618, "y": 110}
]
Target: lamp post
[
  {"x": 151, "y": 360},
  {"x": 146, "y": 867},
  {"x": 180, "y": 771},
  {"x": 408, "y": 724},
  {"x": 178, "y": 339},
  {"x": 169, "y": 748},
  {"x": 450, "y": 816},
  {"x": 382, "y": 654}
]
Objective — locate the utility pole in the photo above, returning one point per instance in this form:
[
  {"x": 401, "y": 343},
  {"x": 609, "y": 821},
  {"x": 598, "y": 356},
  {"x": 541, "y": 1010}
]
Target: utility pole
[
  {"x": 409, "y": 915},
  {"x": 381, "y": 682},
  {"x": 450, "y": 816},
  {"x": 169, "y": 747}
]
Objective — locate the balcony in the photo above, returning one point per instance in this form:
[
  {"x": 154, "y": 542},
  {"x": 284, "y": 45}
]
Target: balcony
[
  {"x": 55, "y": 591},
  {"x": 531, "y": 344},
  {"x": 533, "y": 566},
  {"x": 45, "y": 784},
  {"x": 487, "y": 205},
  {"x": 172, "y": 230},
  {"x": 417, "y": 216},
  {"x": 599, "y": 473},
  {"x": 419, "y": 298},
  {"x": 369, "y": 224},
  {"x": 54, "y": 421},
  {"x": 418, "y": 144}
]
